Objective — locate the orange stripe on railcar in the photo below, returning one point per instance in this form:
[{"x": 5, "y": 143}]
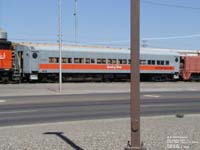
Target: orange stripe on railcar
[
  {"x": 85, "y": 67},
  {"x": 156, "y": 67},
  {"x": 103, "y": 67},
  {"x": 5, "y": 59}
]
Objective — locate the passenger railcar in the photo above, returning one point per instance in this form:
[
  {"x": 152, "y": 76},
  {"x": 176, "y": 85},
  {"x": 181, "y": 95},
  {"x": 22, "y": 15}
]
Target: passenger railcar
[{"x": 92, "y": 63}]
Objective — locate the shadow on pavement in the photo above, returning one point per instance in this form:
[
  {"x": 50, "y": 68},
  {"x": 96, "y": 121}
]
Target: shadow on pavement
[{"x": 64, "y": 138}]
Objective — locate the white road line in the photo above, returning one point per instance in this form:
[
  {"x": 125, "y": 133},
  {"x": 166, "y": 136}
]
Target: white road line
[
  {"x": 157, "y": 105},
  {"x": 21, "y": 111},
  {"x": 2, "y": 101},
  {"x": 154, "y": 96},
  {"x": 193, "y": 89}
]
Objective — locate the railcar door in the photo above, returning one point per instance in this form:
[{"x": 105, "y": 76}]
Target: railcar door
[
  {"x": 34, "y": 65},
  {"x": 19, "y": 61},
  {"x": 35, "y": 61}
]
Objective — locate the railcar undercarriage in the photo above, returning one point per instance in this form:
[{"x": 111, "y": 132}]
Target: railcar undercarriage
[{"x": 97, "y": 77}]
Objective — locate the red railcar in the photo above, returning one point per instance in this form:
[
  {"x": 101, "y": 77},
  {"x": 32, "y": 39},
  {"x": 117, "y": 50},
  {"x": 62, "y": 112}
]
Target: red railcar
[{"x": 190, "y": 68}]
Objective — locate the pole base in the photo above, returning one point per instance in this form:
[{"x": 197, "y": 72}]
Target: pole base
[{"x": 129, "y": 147}]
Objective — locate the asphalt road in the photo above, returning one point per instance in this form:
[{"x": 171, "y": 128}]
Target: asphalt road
[{"x": 56, "y": 108}]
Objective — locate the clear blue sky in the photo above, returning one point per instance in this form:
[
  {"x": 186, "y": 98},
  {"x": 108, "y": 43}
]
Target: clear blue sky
[{"x": 103, "y": 21}]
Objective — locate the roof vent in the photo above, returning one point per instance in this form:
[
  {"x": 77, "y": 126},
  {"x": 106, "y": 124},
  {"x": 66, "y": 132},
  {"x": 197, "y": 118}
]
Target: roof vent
[{"x": 3, "y": 34}]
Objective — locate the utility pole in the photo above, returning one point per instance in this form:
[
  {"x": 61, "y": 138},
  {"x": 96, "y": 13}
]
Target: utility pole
[
  {"x": 76, "y": 20},
  {"x": 135, "y": 76},
  {"x": 60, "y": 42}
]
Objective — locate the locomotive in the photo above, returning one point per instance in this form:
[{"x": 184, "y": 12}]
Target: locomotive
[{"x": 6, "y": 55}]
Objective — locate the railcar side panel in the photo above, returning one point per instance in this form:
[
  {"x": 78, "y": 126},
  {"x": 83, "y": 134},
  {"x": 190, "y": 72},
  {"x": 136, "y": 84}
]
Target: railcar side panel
[
  {"x": 5, "y": 59},
  {"x": 190, "y": 68},
  {"x": 6, "y": 64}
]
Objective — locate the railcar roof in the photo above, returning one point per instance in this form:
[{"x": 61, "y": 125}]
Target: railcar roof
[{"x": 100, "y": 49}]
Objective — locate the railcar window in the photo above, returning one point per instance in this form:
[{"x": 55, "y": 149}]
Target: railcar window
[
  {"x": 143, "y": 62},
  {"x": 64, "y": 60},
  {"x": 119, "y": 61},
  {"x": 124, "y": 61},
  {"x": 176, "y": 59},
  {"x": 151, "y": 62},
  {"x": 167, "y": 62},
  {"x": 79, "y": 60},
  {"x": 87, "y": 60},
  {"x": 103, "y": 61},
  {"x": 67, "y": 60},
  {"x": 55, "y": 60},
  {"x": 98, "y": 61},
  {"x": 51, "y": 60},
  {"x": 76, "y": 60},
  {"x": 109, "y": 61},
  {"x": 158, "y": 62},
  {"x": 129, "y": 61},
  {"x": 114, "y": 61},
  {"x": 92, "y": 61},
  {"x": 35, "y": 55},
  {"x": 162, "y": 62}
]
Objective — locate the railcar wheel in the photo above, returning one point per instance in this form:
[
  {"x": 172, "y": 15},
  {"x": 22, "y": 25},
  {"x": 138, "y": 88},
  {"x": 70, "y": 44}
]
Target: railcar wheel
[{"x": 5, "y": 80}]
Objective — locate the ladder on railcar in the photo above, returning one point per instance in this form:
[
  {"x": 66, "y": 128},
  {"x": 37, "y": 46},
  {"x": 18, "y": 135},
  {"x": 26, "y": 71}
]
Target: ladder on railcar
[{"x": 16, "y": 76}]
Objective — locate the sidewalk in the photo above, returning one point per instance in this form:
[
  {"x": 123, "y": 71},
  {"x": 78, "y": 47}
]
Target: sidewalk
[{"x": 85, "y": 88}]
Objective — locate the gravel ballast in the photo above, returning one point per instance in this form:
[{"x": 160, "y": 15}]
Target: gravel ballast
[{"x": 158, "y": 133}]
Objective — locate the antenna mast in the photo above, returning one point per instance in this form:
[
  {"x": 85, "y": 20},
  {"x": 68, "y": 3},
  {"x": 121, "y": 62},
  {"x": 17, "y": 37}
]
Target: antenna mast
[
  {"x": 144, "y": 43},
  {"x": 60, "y": 42}
]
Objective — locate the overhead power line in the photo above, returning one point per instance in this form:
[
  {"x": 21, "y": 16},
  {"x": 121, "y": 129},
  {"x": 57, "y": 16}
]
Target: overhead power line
[
  {"x": 170, "y": 5},
  {"x": 107, "y": 42},
  {"x": 173, "y": 37},
  {"x": 147, "y": 39}
]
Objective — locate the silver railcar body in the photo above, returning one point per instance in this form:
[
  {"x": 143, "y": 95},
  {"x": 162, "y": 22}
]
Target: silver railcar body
[{"x": 36, "y": 60}]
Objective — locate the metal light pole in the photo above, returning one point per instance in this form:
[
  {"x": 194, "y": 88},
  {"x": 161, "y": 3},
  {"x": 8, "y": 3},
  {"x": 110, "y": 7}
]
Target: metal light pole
[
  {"x": 76, "y": 20},
  {"x": 60, "y": 43},
  {"x": 135, "y": 75}
]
